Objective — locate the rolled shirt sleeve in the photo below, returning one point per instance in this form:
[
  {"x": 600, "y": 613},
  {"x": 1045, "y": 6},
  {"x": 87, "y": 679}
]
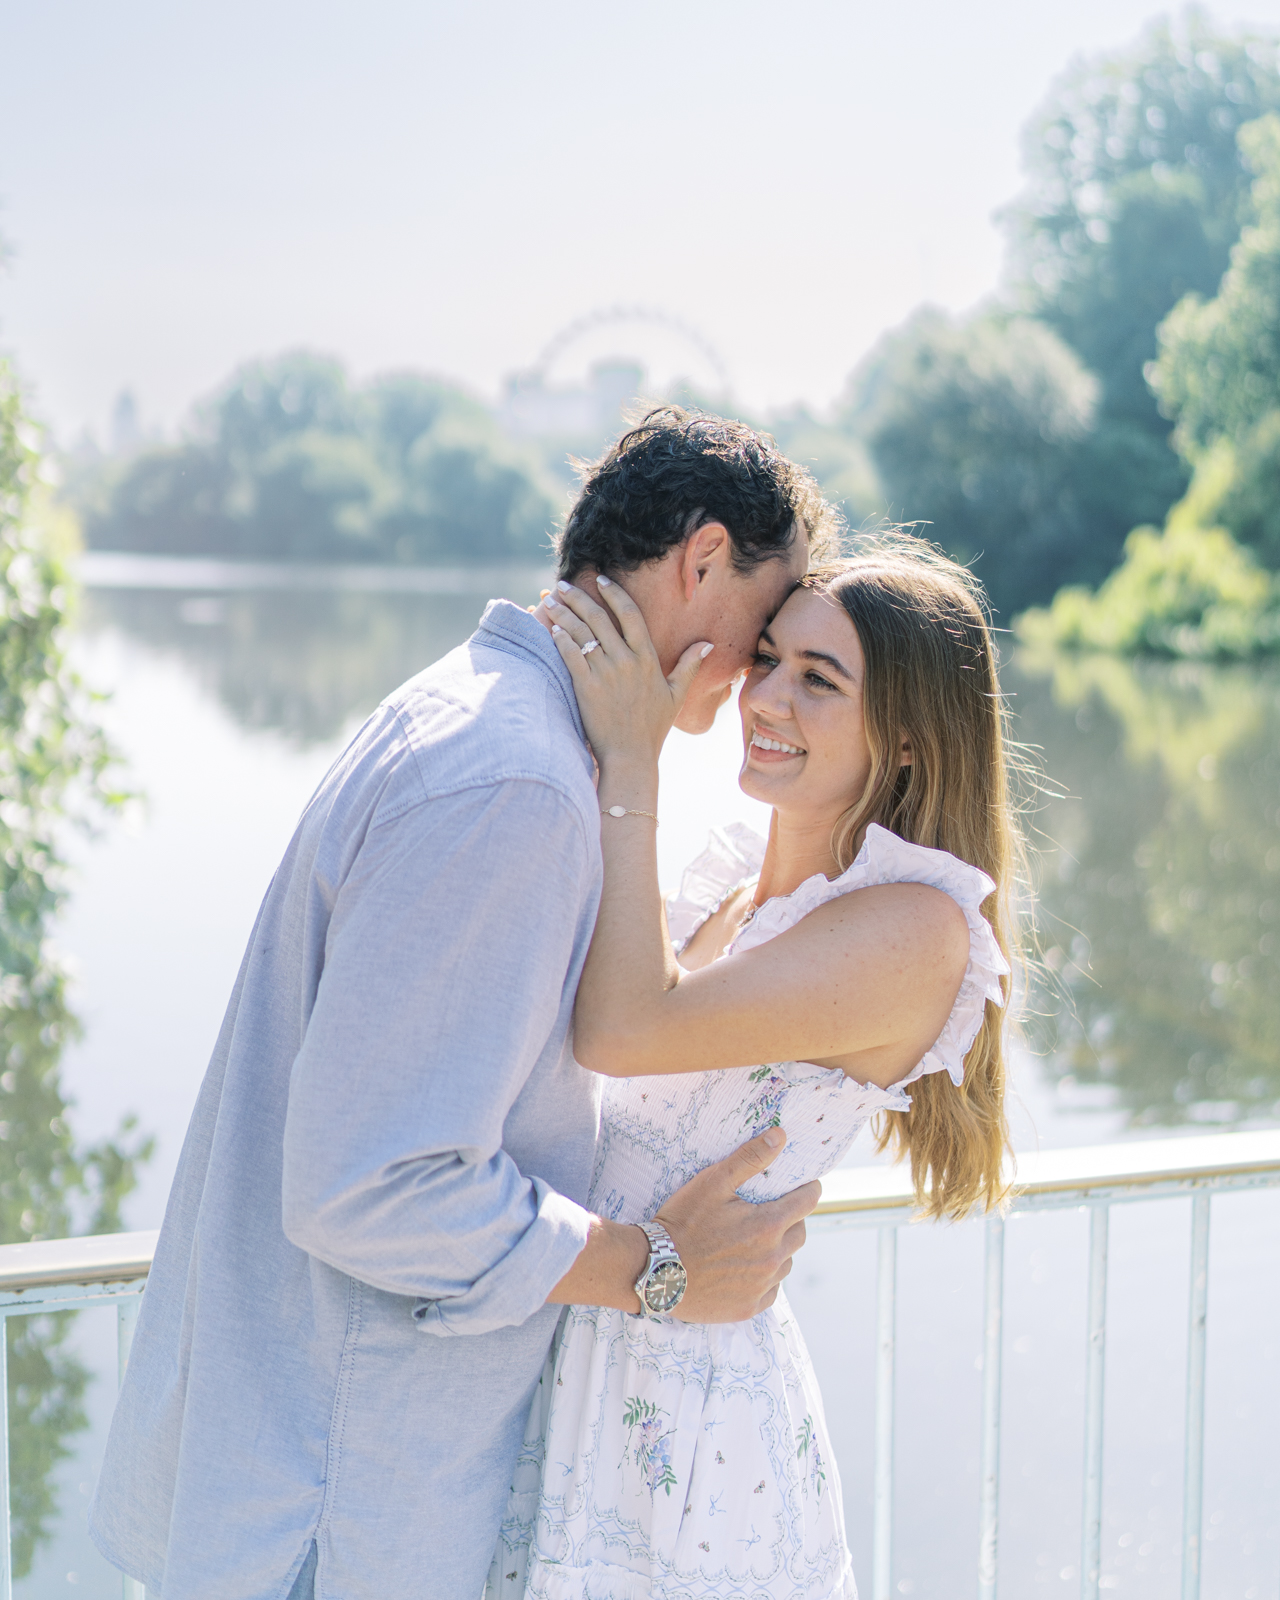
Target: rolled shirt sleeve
[{"x": 452, "y": 943}]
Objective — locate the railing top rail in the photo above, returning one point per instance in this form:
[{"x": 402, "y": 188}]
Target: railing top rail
[
  {"x": 99, "y": 1258},
  {"x": 1133, "y": 1169}
]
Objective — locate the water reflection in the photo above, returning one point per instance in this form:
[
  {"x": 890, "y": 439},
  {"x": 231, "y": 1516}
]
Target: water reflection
[
  {"x": 1162, "y": 903},
  {"x": 303, "y": 664}
]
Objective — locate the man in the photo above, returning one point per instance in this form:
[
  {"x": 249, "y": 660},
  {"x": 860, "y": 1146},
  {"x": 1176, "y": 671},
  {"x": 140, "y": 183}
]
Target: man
[{"x": 379, "y": 1205}]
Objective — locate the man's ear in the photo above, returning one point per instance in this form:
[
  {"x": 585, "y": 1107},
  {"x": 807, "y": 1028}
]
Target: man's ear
[{"x": 706, "y": 548}]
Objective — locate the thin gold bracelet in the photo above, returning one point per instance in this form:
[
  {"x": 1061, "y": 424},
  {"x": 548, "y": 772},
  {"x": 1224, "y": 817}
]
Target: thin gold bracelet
[{"x": 622, "y": 811}]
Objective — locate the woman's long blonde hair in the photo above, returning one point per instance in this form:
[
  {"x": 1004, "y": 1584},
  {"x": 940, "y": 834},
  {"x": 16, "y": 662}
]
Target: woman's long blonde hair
[{"x": 931, "y": 678}]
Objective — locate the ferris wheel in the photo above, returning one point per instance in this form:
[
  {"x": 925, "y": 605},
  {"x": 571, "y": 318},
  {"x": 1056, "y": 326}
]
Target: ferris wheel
[{"x": 581, "y": 330}]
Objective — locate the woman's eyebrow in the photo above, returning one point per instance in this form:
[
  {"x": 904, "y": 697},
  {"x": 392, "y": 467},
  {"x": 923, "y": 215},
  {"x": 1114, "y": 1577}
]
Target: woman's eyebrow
[{"x": 821, "y": 655}]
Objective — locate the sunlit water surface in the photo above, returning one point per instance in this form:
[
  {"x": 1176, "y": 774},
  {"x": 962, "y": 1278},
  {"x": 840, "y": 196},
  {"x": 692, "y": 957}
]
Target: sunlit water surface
[{"x": 1158, "y": 832}]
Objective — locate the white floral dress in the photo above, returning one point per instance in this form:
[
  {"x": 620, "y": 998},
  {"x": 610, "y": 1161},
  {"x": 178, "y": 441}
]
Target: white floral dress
[{"x": 666, "y": 1460}]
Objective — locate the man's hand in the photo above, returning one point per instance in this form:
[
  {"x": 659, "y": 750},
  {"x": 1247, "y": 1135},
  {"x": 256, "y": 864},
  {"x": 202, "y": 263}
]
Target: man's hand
[{"x": 735, "y": 1253}]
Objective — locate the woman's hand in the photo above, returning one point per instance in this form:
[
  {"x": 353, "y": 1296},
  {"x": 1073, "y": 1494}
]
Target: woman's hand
[{"x": 628, "y": 703}]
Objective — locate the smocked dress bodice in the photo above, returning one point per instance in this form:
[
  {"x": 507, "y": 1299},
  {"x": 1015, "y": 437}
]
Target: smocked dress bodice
[{"x": 657, "y": 1132}]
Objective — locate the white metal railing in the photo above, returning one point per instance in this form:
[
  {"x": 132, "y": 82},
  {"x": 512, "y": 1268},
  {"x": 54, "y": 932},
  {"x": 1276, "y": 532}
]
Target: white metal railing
[
  {"x": 67, "y": 1274},
  {"x": 1097, "y": 1178}
]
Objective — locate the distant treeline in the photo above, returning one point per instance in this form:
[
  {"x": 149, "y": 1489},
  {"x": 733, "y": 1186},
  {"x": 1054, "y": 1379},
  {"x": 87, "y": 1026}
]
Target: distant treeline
[
  {"x": 1028, "y": 436},
  {"x": 291, "y": 462}
]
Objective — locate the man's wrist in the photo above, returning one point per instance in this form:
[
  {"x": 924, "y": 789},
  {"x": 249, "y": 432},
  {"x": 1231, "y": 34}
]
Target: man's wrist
[{"x": 606, "y": 1270}]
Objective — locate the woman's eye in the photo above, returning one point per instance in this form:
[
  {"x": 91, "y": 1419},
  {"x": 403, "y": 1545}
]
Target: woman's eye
[
  {"x": 818, "y": 680},
  {"x": 764, "y": 659}
]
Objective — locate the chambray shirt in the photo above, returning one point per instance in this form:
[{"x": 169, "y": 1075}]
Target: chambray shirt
[{"x": 383, "y": 1176}]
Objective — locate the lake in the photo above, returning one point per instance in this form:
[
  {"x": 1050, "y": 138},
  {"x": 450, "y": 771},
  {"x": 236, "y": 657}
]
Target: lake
[{"x": 1155, "y": 1007}]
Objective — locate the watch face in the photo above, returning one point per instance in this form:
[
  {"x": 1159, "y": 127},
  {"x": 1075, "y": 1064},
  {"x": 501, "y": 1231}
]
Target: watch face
[{"x": 666, "y": 1286}]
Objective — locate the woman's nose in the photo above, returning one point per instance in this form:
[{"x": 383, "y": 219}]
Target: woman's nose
[{"x": 769, "y": 695}]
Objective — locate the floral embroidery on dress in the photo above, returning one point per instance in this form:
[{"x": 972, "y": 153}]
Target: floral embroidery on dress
[
  {"x": 652, "y": 1451},
  {"x": 807, "y": 1450},
  {"x": 764, "y": 1109}
]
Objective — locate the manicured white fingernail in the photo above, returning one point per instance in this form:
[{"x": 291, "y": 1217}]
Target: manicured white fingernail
[
  {"x": 563, "y": 586},
  {"x": 556, "y": 628},
  {"x": 605, "y": 583},
  {"x": 706, "y": 650}
]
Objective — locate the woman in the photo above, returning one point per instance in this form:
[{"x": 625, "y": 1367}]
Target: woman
[{"x": 861, "y": 951}]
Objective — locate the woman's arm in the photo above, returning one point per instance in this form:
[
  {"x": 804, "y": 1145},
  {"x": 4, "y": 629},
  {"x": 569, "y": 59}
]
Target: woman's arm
[{"x": 872, "y": 974}]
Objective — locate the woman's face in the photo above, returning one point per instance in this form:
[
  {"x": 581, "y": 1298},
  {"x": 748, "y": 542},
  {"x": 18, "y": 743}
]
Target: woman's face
[{"x": 804, "y": 693}]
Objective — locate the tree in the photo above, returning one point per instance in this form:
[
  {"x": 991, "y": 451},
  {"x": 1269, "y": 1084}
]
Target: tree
[
  {"x": 1138, "y": 190},
  {"x": 55, "y": 766},
  {"x": 982, "y": 430},
  {"x": 289, "y": 462},
  {"x": 1218, "y": 374}
]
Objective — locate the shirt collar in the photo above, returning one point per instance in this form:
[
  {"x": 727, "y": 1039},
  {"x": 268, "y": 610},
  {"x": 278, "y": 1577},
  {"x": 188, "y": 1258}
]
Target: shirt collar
[{"x": 522, "y": 634}]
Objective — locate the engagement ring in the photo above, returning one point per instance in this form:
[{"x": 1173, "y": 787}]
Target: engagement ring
[{"x": 591, "y": 644}]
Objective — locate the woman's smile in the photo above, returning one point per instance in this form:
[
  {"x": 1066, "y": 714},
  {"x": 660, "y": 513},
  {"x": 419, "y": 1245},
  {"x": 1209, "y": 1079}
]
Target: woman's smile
[{"x": 769, "y": 748}]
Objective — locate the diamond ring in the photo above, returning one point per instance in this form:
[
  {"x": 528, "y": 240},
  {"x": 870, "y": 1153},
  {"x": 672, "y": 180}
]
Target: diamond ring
[{"x": 591, "y": 644}]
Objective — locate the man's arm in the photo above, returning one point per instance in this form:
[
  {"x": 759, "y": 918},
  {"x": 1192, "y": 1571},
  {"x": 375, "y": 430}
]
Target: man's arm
[
  {"x": 445, "y": 966},
  {"x": 735, "y": 1253}
]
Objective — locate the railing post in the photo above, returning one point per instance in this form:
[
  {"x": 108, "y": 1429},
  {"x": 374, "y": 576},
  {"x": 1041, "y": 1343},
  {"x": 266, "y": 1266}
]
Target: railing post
[
  {"x": 1095, "y": 1371},
  {"x": 882, "y": 1492},
  {"x": 6, "y": 1567},
  {"x": 992, "y": 1354},
  {"x": 126, "y": 1322},
  {"x": 1193, "y": 1469}
]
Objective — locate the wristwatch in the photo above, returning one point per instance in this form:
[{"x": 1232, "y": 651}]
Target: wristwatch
[{"x": 662, "y": 1284}]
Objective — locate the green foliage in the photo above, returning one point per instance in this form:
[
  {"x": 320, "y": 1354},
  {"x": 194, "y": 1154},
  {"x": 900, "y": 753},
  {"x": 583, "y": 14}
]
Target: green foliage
[
  {"x": 1190, "y": 590},
  {"x": 290, "y": 462},
  {"x": 1137, "y": 193},
  {"x": 1250, "y": 505},
  {"x": 1160, "y": 911},
  {"x": 1184, "y": 592},
  {"x": 54, "y": 770},
  {"x": 984, "y": 430},
  {"x": 1219, "y": 367}
]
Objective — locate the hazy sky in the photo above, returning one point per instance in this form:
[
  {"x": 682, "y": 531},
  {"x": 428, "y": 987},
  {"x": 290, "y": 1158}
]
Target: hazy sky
[{"x": 407, "y": 183}]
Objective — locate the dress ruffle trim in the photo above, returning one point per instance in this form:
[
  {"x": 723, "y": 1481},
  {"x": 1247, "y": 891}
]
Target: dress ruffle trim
[{"x": 734, "y": 853}]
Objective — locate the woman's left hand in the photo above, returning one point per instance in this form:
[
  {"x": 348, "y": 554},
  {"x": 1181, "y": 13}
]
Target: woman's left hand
[{"x": 628, "y": 703}]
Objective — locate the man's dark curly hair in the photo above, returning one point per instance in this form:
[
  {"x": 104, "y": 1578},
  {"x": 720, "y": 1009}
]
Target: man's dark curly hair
[{"x": 674, "y": 472}]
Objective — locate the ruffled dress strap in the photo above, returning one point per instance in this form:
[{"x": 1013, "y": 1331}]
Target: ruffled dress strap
[
  {"x": 886, "y": 858},
  {"x": 733, "y": 856}
]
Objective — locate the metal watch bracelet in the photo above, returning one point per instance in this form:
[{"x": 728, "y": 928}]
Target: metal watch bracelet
[{"x": 661, "y": 1286}]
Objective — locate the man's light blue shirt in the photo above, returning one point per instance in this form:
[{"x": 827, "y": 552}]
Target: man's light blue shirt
[{"x": 384, "y": 1174}]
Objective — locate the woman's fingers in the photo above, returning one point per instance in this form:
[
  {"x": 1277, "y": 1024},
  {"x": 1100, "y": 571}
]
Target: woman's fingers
[
  {"x": 589, "y": 611},
  {"x": 686, "y": 670},
  {"x": 572, "y": 625},
  {"x": 571, "y": 653},
  {"x": 630, "y": 618}
]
